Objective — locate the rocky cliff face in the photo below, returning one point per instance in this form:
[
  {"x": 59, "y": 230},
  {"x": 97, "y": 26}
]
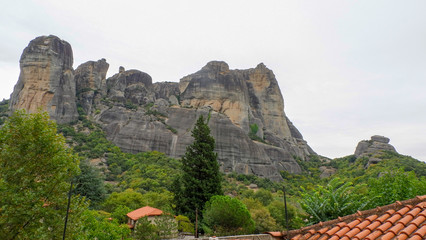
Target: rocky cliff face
[
  {"x": 373, "y": 147},
  {"x": 46, "y": 80},
  {"x": 253, "y": 134}
]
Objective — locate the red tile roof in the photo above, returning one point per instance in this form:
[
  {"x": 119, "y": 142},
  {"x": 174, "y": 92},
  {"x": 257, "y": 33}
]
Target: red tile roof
[
  {"x": 145, "y": 211},
  {"x": 400, "y": 220}
]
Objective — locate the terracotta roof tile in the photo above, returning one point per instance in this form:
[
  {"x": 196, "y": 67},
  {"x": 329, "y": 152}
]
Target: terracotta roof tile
[
  {"x": 144, "y": 211},
  {"x": 418, "y": 221},
  {"x": 374, "y": 235},
  {"x": 373, "y": 226},
  {"x": 333, "y": 230},
  {"x": 402, "y": 237},
  {"x": 409, "y": 229},
  {"x": 384, "y": 226},
  {"x": 362, "y": 234},
  {"x": 372, "y": 218},
  {"x": 421, "y": 232},
  {"x": 401, "y": 220}
]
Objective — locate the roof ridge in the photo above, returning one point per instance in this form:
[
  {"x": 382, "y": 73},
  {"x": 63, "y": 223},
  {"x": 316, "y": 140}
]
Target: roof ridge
[{"x": 396, "y": 206}]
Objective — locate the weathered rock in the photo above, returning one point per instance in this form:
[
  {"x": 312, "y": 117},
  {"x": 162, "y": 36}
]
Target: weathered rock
[
  {"x": 91, "y": 83},
  {"x": 137, "y": 115},
  {"x": 372, "y": 148},
  {"x": 46, "y": 80},
  {"x": 326, "y": 171},
  {"x": 129, "y": 86}
]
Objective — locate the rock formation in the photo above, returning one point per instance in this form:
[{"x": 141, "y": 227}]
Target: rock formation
[
  {"x": 245, "y": 107},
  {"x": 373, "y": 147},
  {"x": 46, "y": 80}
]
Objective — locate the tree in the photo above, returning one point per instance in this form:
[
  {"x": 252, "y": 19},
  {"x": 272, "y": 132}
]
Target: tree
[
  {"x": 224, "y": 215},
  {"x": 395, "y": 185},
  {"x": 260, "y": 215},
  {"x": 334, "y": 200},
  {"x": 90, "y": 184},
  {"x": 128, "y": 198},
  {"x": 200, "y": 178},
  {"x": 36, "y": 167}
]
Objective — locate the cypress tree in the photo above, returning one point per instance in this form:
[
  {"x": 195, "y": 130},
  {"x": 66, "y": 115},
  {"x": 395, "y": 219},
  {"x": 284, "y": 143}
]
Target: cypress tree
[{"x": 200, "y": 178}]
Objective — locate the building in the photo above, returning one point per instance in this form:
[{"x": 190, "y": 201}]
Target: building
[
  {"x": 400, "y": 220},
  {"x": 146, "y": 211}
]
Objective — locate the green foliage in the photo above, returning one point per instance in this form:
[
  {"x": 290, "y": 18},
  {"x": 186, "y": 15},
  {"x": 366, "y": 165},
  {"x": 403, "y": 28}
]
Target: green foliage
[
  {"x": 120, "y": 213},
  {"x": 334, "y": 200},
  {"x": 96, "y": 226},
  {"x": 184, "y": 224},
  {"x": 163, "y": 227},
  {"x": 129, "y": 105},
  {"x": 36, "y": 167},
  {"x": 145, "y": 230},
  {"x": 277, "y": 211},
  {"x": 253, "y": 133},
  {"x": 395, "y": 185},
  {"x": 150, "y": 171},
  {"x": 90, "y": 145},
  {"x": 166, "y": 226},
  {"x": 128, "y": 198},
  {"x": 263, "y": 196},
  {"x": 90, "y": 184},
  {"x": 4, "y": 108},
  {"x": 259, "y": 213},
  {"x": 224, "y": 215},
  {"x": 201, "y": 178}
]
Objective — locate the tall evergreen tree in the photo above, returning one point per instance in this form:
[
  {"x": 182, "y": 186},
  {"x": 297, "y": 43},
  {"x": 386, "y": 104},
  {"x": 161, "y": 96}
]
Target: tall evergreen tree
[{"x": 200, "y": 178}]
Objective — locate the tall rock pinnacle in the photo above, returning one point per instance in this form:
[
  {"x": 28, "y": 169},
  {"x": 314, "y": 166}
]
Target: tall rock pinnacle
[{"x": 46, "y": 80}]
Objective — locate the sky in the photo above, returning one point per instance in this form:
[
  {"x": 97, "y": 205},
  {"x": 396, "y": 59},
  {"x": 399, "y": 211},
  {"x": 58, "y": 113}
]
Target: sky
[{"x": 348, "y": 70}]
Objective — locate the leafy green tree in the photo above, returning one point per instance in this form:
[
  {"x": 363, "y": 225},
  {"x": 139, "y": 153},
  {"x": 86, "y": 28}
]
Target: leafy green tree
[
  {"x": 145, "y": 230},
  {"x": 260, "y": 215},
  {"x": 335, "y": 199},
  {"x": 36, "y": 167},
  {"x": 162, "y": 227},
  {"x": 128, "y": 198},
  {"x": 96, "y": 226},
  {"x": 120, "y": 213},
  {"x": 277, "y": 210},
  {"x": 90, "y": 184},
  {"x": 200, "y": 178},
  {"x": 167, "y": 227},
  {"x": 224, "y": 215},
  {"x": 395, "y": 185},
  {"x": 264, "y": 196},
  {"x": 184, "y": 224}
]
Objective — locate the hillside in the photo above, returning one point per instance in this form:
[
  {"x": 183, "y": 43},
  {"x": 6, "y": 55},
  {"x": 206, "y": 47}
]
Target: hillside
[
  {"x": 130, "y": 133},
  {"x": 245, "y": 107}
]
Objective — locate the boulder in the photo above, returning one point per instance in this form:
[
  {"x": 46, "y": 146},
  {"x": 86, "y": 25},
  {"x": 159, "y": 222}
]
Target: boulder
[{"x": 373, "y": 147}]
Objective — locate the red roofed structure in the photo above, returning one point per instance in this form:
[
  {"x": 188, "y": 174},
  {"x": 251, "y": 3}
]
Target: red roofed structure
[
  {"x": 146, "y": 211},
  {"x": 400, "y": 220}
]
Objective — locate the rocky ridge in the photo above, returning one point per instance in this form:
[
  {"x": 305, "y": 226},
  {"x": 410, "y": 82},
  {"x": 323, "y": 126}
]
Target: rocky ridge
[
  {"x": 373, "y": 147},
  {"x": 245, "y": 107}
]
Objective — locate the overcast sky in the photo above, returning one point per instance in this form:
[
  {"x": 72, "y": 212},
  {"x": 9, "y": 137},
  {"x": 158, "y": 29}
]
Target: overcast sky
[{"x": 347, "y": 69}]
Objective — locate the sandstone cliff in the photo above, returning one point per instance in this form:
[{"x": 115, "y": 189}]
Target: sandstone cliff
[
  {"x": 47, "y": 80},
  {"x": 253, "y": 134}
]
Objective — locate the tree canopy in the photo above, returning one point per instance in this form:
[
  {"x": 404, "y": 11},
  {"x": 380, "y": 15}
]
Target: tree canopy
[
  {"x": 224, "y": 215},
  {"x": 36, "y": 168}
]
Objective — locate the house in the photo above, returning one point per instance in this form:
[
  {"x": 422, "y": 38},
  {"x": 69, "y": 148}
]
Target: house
[
  {"x": 146, "y": 211},
  {"x": 400, "y": 220}
]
